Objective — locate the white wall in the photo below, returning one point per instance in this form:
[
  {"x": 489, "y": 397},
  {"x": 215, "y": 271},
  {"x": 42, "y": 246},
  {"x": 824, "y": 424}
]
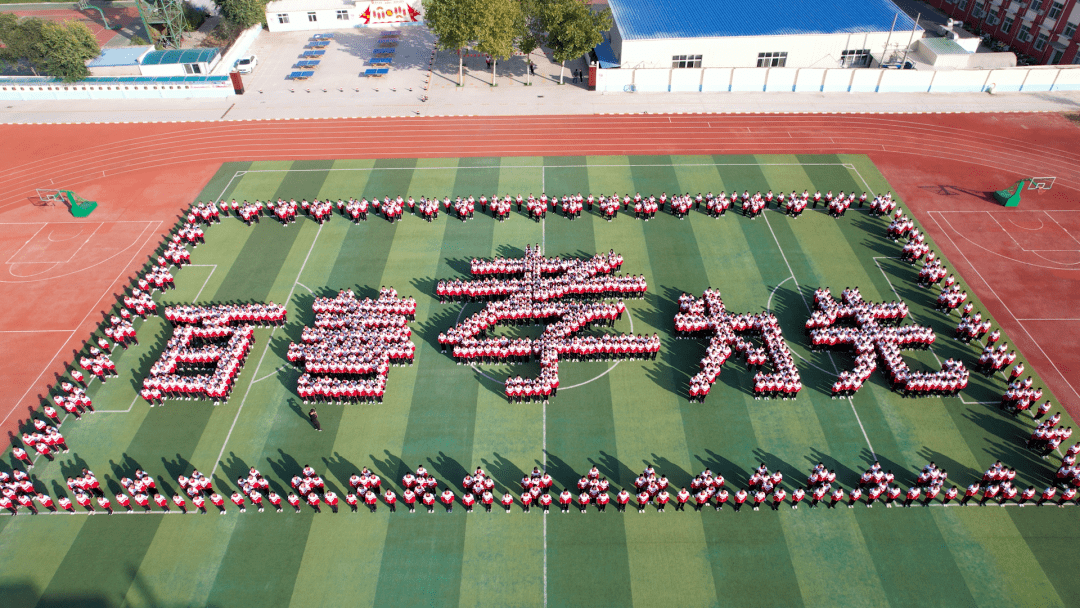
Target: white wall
[
  {"x": 237, "y": 50},
  {"x": 809, "y": 50},
  {"x": 114, "y": 91},
  {"x": 839, "y": 80}
]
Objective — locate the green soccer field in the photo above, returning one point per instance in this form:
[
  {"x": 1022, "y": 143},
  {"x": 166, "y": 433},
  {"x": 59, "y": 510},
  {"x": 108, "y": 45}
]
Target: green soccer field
[{"x": 451, "y": 419}]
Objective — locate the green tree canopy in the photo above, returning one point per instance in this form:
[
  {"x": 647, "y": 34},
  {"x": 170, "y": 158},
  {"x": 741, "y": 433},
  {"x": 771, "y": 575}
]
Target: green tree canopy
[
  {"x": 242, "y": 13},
  {"x": 573, "y": 29},
  {"x": 52, "y": 48}
]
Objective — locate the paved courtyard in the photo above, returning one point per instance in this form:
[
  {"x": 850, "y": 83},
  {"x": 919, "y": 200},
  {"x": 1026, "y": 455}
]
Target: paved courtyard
[{"x": 338, "y": 89}]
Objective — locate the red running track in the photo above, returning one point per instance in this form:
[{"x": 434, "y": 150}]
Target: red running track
[{"x": 144, "y": 174}]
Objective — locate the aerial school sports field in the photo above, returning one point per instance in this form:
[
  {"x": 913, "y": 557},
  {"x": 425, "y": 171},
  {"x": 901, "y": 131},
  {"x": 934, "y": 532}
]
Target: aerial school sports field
[{"x": 620, "y": 418}]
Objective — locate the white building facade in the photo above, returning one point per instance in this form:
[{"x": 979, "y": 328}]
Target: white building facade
[
  {"x": 759, "y": 33},
  {"x": 327, "y": 15}
]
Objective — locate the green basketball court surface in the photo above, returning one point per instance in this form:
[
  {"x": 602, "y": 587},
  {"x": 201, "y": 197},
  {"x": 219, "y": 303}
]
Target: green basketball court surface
[{"x": 451, "y": 419}]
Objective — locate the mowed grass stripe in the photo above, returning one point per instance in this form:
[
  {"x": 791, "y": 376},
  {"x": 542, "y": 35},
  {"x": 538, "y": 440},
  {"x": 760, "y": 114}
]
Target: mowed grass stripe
[
  {"x": 329, "y": 553},
  {"x": 580, "y": 424},
  {"x": 267, "y": 432},
  {"x": 27, "y": 566},
  {"x": 649, "y": 422},
  {"x": 104, "y": 578},
  {"x": 440, "y": 428},
  {"x": 809, "y": 564},
  {"x": 933, "y": 427},
  {"x": 719, "y": 433},
  {"x": 507, "y": 438},
  {"x": 791, "y": 434}
]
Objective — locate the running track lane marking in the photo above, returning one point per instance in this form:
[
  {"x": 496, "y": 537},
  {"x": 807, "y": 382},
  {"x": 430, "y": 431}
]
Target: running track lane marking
[
  {"x": 48, "y": 365},
  {"x": 1004, "y": 305},
  {"x": 798, "y": 289},
  {"x": 265, "y": 350}
]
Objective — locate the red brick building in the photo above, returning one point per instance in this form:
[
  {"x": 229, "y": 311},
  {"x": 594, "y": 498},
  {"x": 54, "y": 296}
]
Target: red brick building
[{"x": 1043, "y": 29}]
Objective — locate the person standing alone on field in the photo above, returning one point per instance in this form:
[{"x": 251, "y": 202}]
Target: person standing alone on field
[{"x": 314, "y": 417}]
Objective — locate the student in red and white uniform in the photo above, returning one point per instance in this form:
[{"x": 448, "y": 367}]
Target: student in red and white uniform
[
  {"x": 84, "y": 501},
  {"x": 428, "y": 499},
  {"x": 468, "y": 499},
  {"x": 47, "y": 502}
]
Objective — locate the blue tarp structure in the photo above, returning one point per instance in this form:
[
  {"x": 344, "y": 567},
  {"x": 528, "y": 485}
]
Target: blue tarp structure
[{"x": 605, "y": 55}]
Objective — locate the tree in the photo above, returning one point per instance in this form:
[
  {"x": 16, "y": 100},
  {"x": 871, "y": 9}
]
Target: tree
[
  {"x": 530, "y": 33},
  {"x": 66, "y": 49},
  {"x": 21, "y": 38},
  {"x": 499, "y": 27},
  {"x": 242, "y": 13},
  {"x": 55, "y": 49},
  {"x": 456, "y": 24},
  {"x": 573, "y": 29}
]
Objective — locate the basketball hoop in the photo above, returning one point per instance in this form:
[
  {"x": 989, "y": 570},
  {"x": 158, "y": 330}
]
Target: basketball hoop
[{"x": 1041, "y": 184}]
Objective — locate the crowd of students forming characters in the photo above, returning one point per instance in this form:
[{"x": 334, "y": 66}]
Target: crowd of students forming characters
[
  {"x": 570, "y": 206},
  {"x": 533, "y": 290},
  {"x": 196, "y": 345},
  {"x": 707, "y": 317},
  {"x": 707, "y": 489},
  {"x": 351, "y": 340}
]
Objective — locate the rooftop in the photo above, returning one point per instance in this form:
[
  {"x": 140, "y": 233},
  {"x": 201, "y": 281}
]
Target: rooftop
[
  {"x": 119, "y": 56},
  {"x": 183, "y": 56},
  {"x": 654, "y": 19}
]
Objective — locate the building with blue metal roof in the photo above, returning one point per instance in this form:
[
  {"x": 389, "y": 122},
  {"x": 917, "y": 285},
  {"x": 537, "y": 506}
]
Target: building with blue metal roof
[{"x": 756, "y": 33}]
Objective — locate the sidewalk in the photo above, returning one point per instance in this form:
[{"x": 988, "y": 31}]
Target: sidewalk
[{"x": 517, "y": 101}]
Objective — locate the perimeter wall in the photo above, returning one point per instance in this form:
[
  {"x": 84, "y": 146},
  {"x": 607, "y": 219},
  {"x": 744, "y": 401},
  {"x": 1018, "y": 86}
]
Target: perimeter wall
[{"x": 838, "y": 80}]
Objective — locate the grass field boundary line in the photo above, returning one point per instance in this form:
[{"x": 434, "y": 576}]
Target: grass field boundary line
[
  {"x": 266, "y": 349},
  {"x": 1003, "y": 304},
  {"x": 305, "y": 287},
  {"x": 80, "y": 324},
  {"x": 212, "y": 267},
  {"x": 543, "y": 167},
  {"x": 136, "y": 398},
  {"x": 228, "y": 184},
  {"x": 270, "y": 375},
  {"x": 852, "y": 167},
  {"x": 826, "y": 507}
]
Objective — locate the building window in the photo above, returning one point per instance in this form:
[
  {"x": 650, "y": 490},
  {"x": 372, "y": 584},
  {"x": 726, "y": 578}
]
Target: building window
[
  {"x": 283, "y": 18},
  {"x": 855, "y": 58},
  {"x": 772, "y": 60},
  {"x": 1070, "y": 29},
  {"x": 1007, "y": 24},
  {"x": 343, "y": 15},
  {"x": 963, "y": 5},
  {"x": 311, "y": 16},
  {"x": 192, "y": 68},
  {"x": 1036, "y": 5},
  {"x": 1056, "y": 10},
  {"x": 686, "y": 61},
  {"x": 1025, "y": 33},
  {"x": 1040, "y": 42}
]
